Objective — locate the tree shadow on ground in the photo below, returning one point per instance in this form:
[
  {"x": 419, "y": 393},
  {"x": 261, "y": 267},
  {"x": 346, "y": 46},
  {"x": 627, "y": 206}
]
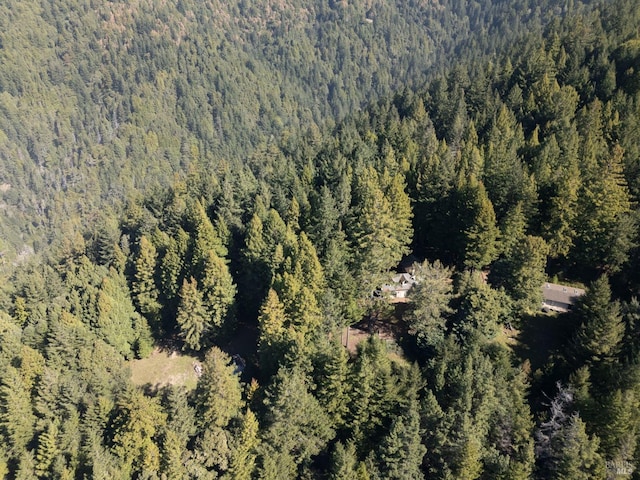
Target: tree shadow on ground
[{"x": 542, "y": 337}]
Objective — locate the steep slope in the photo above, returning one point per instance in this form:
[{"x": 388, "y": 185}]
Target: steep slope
[{"x": 99, "y": 99}]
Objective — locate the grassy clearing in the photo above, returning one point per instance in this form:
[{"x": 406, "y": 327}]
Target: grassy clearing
[{"x": 164, "y": 368}]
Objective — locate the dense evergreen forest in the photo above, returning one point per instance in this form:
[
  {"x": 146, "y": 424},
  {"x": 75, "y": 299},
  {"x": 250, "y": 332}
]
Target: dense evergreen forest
[{"x": 211, "y": 178}]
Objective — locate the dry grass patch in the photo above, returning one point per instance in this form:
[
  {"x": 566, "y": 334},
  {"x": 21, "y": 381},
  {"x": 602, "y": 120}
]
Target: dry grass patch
[{"x": 163, "y": 368}]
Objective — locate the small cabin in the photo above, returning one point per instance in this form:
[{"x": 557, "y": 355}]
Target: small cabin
[
  {"x": 399, "y": 286},
  {"x": 559, "y": 298}
]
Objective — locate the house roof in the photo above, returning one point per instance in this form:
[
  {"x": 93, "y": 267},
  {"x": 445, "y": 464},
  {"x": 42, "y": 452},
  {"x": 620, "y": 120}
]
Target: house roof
[
  {"x": 561, "y": 293},
  {"x": 399, "y": 282}
]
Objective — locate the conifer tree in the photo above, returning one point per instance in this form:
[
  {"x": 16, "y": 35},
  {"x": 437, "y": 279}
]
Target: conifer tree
[
  {"x": 522, "y": 272},
  {"x": 480, "y": 308},
  {"x": 219, "y": 394},
  {"x": 401, "y": 451},
  {"x": 431, "y": 297},
  {"x": 332, "y": 380},
  {"x": 47, "y": 449},
  {"x": 173, "y": 452},
  {"x": 17, "y": 420},
  {"x": 192, "y": 318},
  {"x": 244, "y": 446},
  {"x": 373, "y": 390},
  {"x": 379, "y": 238},
  {"x": 116, "y": 315},
  {"x": 605, "y": 230},
  {"x": 480, "y": 233},
  {"x": 205, "y": 237},
  {"x": 344, "y": 462},
  {"x": 136, "y": 425},
  {"x": 218, "y": 289},
  {"x": 274, "y": 340},
  {"x": 26, "y": 466},
  {"x": 296, "y": 424},
  {"x": 467, "y": 445},
  {"x": 172, "y": 267},
  {"x": 181, "y": 416},
  {"x": 505, "y": 177},
  {"x": 4, "y": 464},
  {"x": 144, "y": 287},
  {"x": 577, "y": 454},
  {"x": 598, "y": 339}
]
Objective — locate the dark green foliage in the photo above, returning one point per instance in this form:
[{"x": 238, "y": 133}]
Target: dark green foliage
[
  {"x": 522, "y": 271},
  {"x": 431, "y": 299},
  {"x": 220, "y": 171},
  {"x": 296, "y": 426},
  {"x": 598, "y": 339},
  {"x": 478, "y": 225},
  {"x": 564, "y": 449},
  {"x": 481, "y": 309},
  {"x": 401, "y": 452}
]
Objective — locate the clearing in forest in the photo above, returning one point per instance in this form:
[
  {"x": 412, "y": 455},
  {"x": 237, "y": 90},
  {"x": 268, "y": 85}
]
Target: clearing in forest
[{"x": 165, "y": 367}]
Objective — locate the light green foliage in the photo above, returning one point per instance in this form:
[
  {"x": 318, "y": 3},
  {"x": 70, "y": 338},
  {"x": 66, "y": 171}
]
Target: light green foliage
[
  {"x": 144, "y": 288},
  {"x": 17, "y": 421},
  {"x": 135, "y": 430},
  {"x": 10, "y": 336},
  {"x": 218, "y": 289},
  {"x": 513, "y": 229},
  {"x": 605, "y": 232},
  {"x": 172, "y": 265},
  {"x": 205, "y": 237},
  {"x": 192, "y": 317},
  {"x": 344, "y": 462},
  {"x": 522, "y": 272},
  {"x": 154, "y": 155},
  {"x": 380, "y": 230},
  {"x": 618, "y": 425},
  {"x": 276, "y": 464},
  {"x": 173, "y": 452},
  {"x": 219, "y": 395},
  {"x": 26, "y": 466},
  {"x": 559, "y": 230},
  {"x": 244, "y": 445},
  {"x": 505, "y": 177},
  {"x": 117, "y": 319},
  {"x": 578, "y": 456},
  {"x": 274, "y": 340},
  {"x": 32, "y": 365},
  {"x": 466, "y": 450},
  {"x": 47, "y": 449}
]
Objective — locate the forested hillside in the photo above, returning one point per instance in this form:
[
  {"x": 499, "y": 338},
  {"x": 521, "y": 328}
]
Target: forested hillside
[
  {"x": 101, "y": 99},
  {"x": 206, "y": 179}
]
